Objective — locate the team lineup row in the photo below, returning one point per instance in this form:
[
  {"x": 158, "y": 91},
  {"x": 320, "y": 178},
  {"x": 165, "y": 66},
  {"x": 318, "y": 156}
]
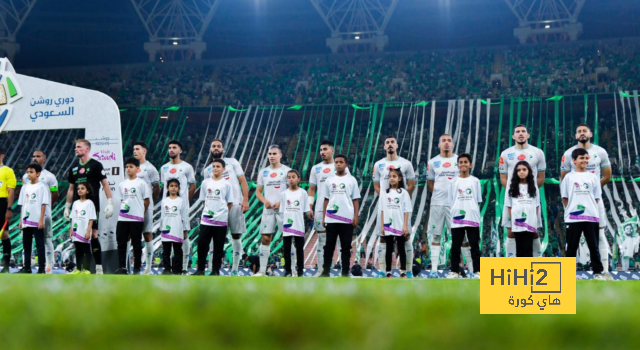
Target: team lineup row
[{"x": 332, "y": 202}]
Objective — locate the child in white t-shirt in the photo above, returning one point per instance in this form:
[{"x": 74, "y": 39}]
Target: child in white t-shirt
[
  {"x": 523, "y": 203},
  {"x": 294, "y": 202},
  {"x": 83, "y": 214},
  {"x": 174, "y": 227},
  {"x": 396, "y": 208},
  {"x": 464, "y": 195},
  {"x": 135, "y": 199},
  {"x": 34, "y": 199},
  {"x": 581, "y": 191}
]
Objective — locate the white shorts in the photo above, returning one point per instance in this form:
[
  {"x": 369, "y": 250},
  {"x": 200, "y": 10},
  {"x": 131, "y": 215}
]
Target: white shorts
[
  {"x": 237, "y": 224},
  {"x": 148, "y": 220},
  {"x": 270, "y": 218},
  {"x": 317, "y": 221},
  {"x": 439, "y": 219},
  {"x": 377, "y": 230},
  {"x": 506, "y": 219}
]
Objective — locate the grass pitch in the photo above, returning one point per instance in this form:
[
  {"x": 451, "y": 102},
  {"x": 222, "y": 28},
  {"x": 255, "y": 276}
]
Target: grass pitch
[{"x": 177, "y": 312}]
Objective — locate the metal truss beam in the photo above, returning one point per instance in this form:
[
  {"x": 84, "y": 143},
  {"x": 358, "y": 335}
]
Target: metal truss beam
[
  {"x": 13, "y": 13},
  {"x": 546, "y": 20}
]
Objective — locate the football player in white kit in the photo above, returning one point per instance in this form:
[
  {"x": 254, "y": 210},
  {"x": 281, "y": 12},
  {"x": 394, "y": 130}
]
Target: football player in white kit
[
  {"x": 273, "y": 180},
  {"x": 183, "y": 171},
  {"x": 521, "y": 151},
  {"x": 149, "y": 174},
  {"x": 380, "y": 183},
  {"x": 441, "y": 171},
  {"x": 319, "y": 174},
  {"x": 600, "y": 166},
  {"x": 235, "y": 175},
  {"x": 49, "y": 181}
]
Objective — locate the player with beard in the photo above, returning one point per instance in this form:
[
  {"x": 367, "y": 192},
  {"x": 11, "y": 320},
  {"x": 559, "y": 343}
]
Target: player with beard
[
  {"x": 149, "y": 174},
  {"x": 600, "y": 166},
  {"x": 319, "y": 174},
  {"x": 235, "y": 175},
  {"x": 509, "y": 158},
  {"x": 381, "y": 171},
  {"x": 89, "y": 170},
  {"x": 442, "y": 170},
  {"x": 183, "y": 171},
  {"x": 49, "y": 181}
]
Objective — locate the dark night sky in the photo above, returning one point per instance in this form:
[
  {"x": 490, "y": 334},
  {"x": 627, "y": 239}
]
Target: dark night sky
[{"x": 80, "y": 32}]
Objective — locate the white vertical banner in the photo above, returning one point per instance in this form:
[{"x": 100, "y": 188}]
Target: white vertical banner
[{"x": 36, "y": 104}]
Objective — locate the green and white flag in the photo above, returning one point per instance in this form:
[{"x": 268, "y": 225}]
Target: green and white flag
[{"x": 628, "y": 238}]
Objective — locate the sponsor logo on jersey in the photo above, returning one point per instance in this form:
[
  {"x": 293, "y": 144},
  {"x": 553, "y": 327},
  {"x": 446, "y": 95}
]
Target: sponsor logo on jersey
[
  {"x": 74, "y": 169},
  {"x": 563, "y": 159},
  {"x": 435, "y": 164},
  {"x": 165, "y": 168},
  {"x": 81, "y": 171},
  {"x": 326, "y": 170},
  {"x": 342, "y": 186},
  {"x": 273, "y": 175},
  {"x": 522, "y": 157},
  {"x": 318, "y": 169},
  {"x": 173, "y": 171},
  {"x": 446, "y": 165},
  {"x": 265, "y": 173},
  {"x": 501, "y": 160},
  {"x": 511, "y": 156},
  {"x": 381, "y": 166},
  {"x": 139, "y": 170}
]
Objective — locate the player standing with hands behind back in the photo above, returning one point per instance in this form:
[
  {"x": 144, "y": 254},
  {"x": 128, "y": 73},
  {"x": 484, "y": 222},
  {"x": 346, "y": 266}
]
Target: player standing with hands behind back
[{"x": 341, "y": 207}]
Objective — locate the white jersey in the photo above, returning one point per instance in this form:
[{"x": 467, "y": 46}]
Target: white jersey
[
  {"x": 293, "y": 205},
  {"x": 32, "y": 197},
  {"x": 382, "y": 167},
  {"x": 523, "y": 210},
  {"x": 274, "y": 182},
  {"x": 598, "y": 160},
  {"x": 81, "y": 214},
  {"x": 512, "y": 155},
  {"x": 215, "y": 194},
  {"x": 341, "y": 191},
  {"x": 442, "y": 171},
  {"x": 319, "y": 174},
  {"x": 394, "y": 205},
  {"x": 132, "y": 195},
  {"x": 48, "y": 180},
  {"x": 173, "y": 220},
  {"x": 232, "y": 171},
  {"x": 182, "y": 171},
  {"x": 464, "y": 196},
  {"x": 581, "y": 189},
  {"x": 149, "y": 174}
]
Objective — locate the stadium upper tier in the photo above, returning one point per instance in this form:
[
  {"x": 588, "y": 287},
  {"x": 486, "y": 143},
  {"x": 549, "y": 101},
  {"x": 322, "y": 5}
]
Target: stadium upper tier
[{"x": 522, "y": 71}]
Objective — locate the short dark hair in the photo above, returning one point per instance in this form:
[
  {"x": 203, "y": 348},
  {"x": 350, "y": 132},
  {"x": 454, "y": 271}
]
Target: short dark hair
[
  {"x": 275, "y": 146},
  {"x": 221, "y": 142},
  {"x": 35, "y": 166},
  {"x": 465, "y": 155},
  {"x": 132, "y": 161},
  {"x": 579, "y": 125},
  {"x": 327, "y": 142},
  {"x": 219, "y": 160},
  {"x": 578, "y": 152},
  {"x": 175, "y": 142},
  {"x": 142, "y": 144},
  {"x": 390, "y": 137},
  {"x": 341, "y": 156},
  {"x": 521, "y": 126}
]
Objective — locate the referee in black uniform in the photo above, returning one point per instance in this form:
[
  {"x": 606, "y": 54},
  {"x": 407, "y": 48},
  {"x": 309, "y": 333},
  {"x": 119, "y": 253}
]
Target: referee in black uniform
[
  {"x": 7, "y": 186},
  {"x": 89, "y": 170}
]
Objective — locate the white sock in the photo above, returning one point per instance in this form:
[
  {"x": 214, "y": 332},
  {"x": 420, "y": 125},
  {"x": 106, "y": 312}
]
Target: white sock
[
  {"x": 210, "y": 261},
  {"x": 603, "y": 247},
  {"x": 339, "y": 248},
  {"x": 625, "y": 264},
  {"x": 536, "y": 247},
  {"x": 265, "y": 251},
  {"x": 409, "y": 248},
  {"x": 186, "y": 250},
  {"x": 293, "y": 255},
  {"x": 435, "y": 257},
  {"x": 382, "y": 256},
  {"x": 511, "y": 247},
  {"x": 48, "y": 250},
  {"x": 236, "y": 245},
  {"x": 466, "y": 251},
  {"x": 322, "y": 240},
  {"x": 128, "y": 261},
  {"x": 149, "y": 250}
]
